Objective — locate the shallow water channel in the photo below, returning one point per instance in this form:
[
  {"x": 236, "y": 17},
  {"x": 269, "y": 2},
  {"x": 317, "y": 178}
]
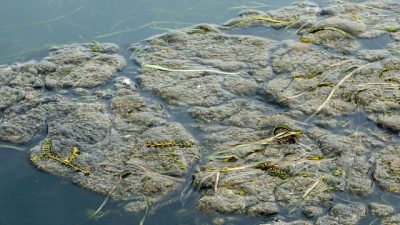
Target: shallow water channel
[{"x": 29, "y": 28}]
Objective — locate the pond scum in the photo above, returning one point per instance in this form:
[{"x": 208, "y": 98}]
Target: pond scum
[{"x": 231, "y": 159}]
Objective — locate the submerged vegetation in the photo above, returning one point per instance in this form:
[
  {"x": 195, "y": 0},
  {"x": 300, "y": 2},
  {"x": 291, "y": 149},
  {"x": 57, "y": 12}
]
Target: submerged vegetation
[{"x": 13, "y": 147}]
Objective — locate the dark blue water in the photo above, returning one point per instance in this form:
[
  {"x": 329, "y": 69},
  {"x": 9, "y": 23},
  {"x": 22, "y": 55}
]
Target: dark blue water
[{"x": 28, "y": 28}]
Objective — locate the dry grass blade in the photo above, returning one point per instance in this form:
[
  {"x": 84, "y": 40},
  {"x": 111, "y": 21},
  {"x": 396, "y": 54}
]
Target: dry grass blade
[
  {"x": 270, "y": 140},
  {"x": 157, "y": 67},
  {"x": 334, "y": 89},
  {"x": 312, "y": 187},
  {"x": 145, "y": 214},
  {"x": 216, "y": 181},
  {"x": 104, "y": 202},
  {"x": 21, "y": 149},
  {"x": 266, "y": 141}
]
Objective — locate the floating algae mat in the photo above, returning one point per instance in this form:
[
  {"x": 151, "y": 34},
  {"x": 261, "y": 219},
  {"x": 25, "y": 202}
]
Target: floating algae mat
[{"x": 281, "y": 116}]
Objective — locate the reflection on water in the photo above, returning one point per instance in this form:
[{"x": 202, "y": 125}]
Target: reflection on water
[{"x": 28, "y": 28}]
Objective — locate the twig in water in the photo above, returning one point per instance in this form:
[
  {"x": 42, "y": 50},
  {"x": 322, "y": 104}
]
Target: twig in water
[{"x": 269, "y": 140}]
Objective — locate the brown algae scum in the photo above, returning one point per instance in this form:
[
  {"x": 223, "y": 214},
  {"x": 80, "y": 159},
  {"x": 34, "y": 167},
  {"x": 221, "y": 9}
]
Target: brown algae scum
[
  {"x": 323, "y": 82},
  {"x": 298, "y": 129}
]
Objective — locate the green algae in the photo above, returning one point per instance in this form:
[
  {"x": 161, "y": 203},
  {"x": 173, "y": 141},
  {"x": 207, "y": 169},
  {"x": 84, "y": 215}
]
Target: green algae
[{"x": 47, "y": 147}]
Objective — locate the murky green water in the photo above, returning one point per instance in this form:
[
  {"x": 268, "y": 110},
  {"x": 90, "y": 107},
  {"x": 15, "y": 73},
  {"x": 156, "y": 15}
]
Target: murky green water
[{"x": 28, "y": 28}]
